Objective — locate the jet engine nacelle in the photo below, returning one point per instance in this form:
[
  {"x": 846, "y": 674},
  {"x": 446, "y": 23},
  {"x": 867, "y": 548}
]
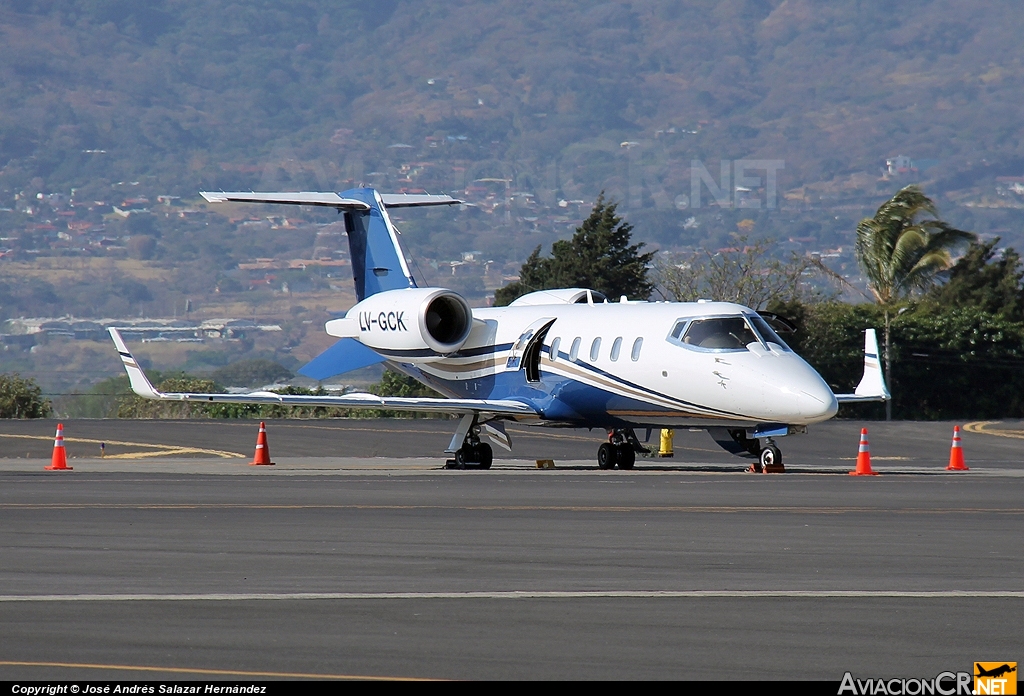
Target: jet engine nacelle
[{"x": 408, "y": 325}]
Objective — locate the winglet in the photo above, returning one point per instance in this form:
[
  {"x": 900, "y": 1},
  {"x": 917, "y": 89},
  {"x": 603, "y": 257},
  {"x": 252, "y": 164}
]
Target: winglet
[
  {"x": 872, "y": 384},
  {"x": 140, "y": 383}
]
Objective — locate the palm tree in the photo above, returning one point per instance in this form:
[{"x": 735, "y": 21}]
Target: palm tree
[{"x": 901, "y": 251}]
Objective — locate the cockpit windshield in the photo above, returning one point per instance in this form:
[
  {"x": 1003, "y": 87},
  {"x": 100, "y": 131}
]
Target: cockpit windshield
[
  {"x": 719, "y": 333},
  {"x": 725, "y": 333},
  {"x": 767, "y": 332}
]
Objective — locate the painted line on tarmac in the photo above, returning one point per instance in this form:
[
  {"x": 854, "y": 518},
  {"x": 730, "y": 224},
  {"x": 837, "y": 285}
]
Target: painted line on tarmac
[
  {"x": 520, "y": 432},
  {"x": 719, "y": 509},
  {"x": 209, "y": 672},
  {"x": 982, "y": 428},
  {"x": 164, "y": 450},
  {"x": 522, "y": 594},
  {"x": 875, "y": 459}
]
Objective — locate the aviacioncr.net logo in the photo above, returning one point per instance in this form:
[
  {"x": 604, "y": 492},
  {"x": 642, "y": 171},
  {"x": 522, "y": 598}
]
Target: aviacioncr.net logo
[
  {"x": 943, "y": 684},
  {"x": 995, "y": 678}
]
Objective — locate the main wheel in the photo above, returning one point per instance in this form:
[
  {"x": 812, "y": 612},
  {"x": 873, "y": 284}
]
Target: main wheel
[
  {"x": 484, "y": 455},
  {"x": 770, "y": 456},
  {"x": 461, "y": 456},
  {"x": 606, "y": 456},
  {"x": 625, "y": 456}
]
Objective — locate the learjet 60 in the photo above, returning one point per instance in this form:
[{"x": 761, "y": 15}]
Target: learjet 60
[{"x": 559, "y": 358}]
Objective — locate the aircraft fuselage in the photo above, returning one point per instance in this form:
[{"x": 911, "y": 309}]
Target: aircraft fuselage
[{"x": 619, "y": 365}]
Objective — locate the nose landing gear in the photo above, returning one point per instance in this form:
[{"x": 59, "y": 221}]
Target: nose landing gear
[{"x": 769, "y": 461}]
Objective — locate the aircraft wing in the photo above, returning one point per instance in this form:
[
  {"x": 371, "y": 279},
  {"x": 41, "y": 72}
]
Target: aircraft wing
[
  {"x": 872, "y": 383},
  {"x": 142, "y": 386}
]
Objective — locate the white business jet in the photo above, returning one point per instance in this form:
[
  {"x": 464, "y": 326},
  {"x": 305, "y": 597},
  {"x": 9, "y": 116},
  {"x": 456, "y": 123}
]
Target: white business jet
[{"x": 559, "y": 358}]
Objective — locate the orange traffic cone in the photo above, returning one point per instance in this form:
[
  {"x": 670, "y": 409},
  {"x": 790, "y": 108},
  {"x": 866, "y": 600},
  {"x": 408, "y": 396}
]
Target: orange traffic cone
[
  {"x": 863, "y": 457},
  {"x": 262, "y": 456},
  {"x": 956, "y": 453},
  {"x": 59, "y": 462}
]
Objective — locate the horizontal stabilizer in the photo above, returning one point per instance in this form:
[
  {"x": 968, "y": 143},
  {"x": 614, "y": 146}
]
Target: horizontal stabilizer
[
  {"x": 872, "y": 383},
  {"x": 378, "y": 262},
  {"x": 329, "y": 200},
  {"x": 344, "y": 356},
  {"x": 410, "y": 200}
]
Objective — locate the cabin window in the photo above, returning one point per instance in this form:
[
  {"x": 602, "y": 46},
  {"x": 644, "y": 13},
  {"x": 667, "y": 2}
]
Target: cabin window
[
  {"x": 721, "y": 333},
  {"x": 574, "y": 351},
  {"x": 637, "y": 345},
  {"x": 553, "y": 350},
  {"x": 523, "y": 340},
  {"x": 616, "y": 347},
  {"x": 595, "y": 349}
]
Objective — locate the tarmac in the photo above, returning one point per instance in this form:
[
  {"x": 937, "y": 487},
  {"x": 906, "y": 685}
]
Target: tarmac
[{"x": 358, "y": 556}]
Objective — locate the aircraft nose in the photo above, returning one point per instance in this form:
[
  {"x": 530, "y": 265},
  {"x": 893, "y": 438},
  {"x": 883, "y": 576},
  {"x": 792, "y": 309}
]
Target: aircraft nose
[{"x": 817, "y": 402}]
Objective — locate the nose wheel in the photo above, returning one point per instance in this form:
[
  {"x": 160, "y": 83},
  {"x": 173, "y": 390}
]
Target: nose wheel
[{"x": 769, "y": 461}]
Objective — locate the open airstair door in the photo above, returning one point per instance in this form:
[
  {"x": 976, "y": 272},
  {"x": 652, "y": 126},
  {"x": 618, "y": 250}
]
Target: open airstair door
[{"x": 526, "y": 351}]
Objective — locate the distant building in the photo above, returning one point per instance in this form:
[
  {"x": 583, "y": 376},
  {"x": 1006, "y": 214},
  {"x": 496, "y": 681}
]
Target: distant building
[
  {"x": 134, "y": 329},
  {"x": 900, "y": 164}
]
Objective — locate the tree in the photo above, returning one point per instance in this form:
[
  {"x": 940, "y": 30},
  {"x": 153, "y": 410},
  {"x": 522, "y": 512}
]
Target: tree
[
  {"x": 22, "y": 398},
  {"x": 137, "y": 407},
  {"x": 744, "y": 275},
  {"x": 900, "y": 251},
  {"x": 955, "y": 362},
  {"x": 981, "y": 280},
  {"x": 394, "y": 383},
  {"x": 599, "y": 257},
  {"x": 251, "y": 373}
]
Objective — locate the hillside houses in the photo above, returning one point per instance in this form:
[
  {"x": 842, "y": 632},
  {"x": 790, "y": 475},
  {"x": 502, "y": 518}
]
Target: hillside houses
[{"x": 26, "y": 332}]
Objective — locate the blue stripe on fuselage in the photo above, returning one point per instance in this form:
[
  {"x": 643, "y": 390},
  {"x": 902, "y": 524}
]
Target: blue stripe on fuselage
[{"x": 557, "y": 397}]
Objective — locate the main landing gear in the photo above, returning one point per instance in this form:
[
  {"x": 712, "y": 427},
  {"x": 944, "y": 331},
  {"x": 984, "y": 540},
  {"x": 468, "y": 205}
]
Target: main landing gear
[
  {"x": 620, "y": 450},
  {"x": 473, "y": 453},
  {"x": 477, "y": 456}
]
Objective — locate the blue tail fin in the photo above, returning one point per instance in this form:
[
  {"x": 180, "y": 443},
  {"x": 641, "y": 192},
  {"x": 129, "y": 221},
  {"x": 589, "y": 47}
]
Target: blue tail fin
[{"x": 378, "y": 262}]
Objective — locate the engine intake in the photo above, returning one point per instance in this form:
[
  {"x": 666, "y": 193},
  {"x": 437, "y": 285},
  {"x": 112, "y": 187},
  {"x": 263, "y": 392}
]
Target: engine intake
[
  {"x": 409, "y": 325},
  {"x": 446, "y": 321}
]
